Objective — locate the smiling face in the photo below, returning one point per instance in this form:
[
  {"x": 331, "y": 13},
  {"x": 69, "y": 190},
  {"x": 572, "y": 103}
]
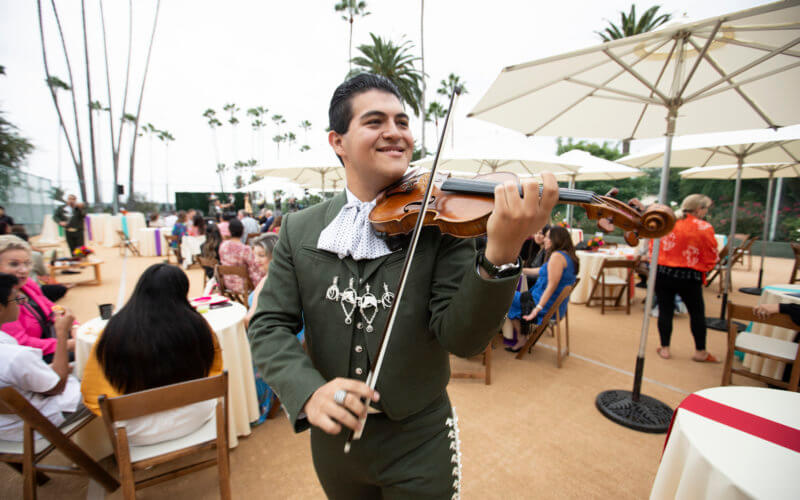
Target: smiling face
[
  {"x": 260, "y": 257},
  {"x": 377, "y": 147},
  {"x": 547, "y": 243},
  {"x": 16, "y": 262}
]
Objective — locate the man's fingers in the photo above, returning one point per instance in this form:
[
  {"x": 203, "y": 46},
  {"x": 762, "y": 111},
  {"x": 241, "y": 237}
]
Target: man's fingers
[
  {"x": 328, "y": 425},
  {"x": 549, "y": 192},
  {"x": 344, "y": 417}
]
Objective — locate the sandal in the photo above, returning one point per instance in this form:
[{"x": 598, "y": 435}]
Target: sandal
[
  {"x": 708, "y": 359},
  {"x": 662, "y": 356}
]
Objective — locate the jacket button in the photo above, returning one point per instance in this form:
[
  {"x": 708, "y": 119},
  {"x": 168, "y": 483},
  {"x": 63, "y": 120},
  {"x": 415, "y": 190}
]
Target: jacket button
[
  {"x": 359, "y": 325},
  {"x": 359, "y": 371},
  {"x": 359, "y": 348}
]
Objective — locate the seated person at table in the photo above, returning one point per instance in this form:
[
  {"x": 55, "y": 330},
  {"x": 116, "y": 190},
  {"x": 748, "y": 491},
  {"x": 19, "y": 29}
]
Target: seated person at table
[
  {"x": 50, "y": 288},
  {"x": 156, "y": 339},
  {"x": 210, "y": 248},
  {"x": 793, "y": 310},
  {"x": 49, "y": 388},
  {"x": 232, "y": 252},
  {"x": 560, "y": 269},
  {"x": 198, "y": 227},
  {"x": 179, "y": 228},
  {"x": 34, "y": 326},
  {"x": 532, "y": 255}
]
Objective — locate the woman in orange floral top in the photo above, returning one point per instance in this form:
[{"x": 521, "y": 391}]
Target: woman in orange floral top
[{"x": 686, "y": 255}]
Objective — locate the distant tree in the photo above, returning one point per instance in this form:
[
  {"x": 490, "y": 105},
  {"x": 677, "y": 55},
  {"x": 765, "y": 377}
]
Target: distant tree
[
  {"x": 221, "y": 168},
  {"x": 166, "y": 137},
  {"x": 278, "y": 139},
  {"x": 306, "y": 126},
  {"x": 396, "y": 63},
  {"x": 291, "y": 138},
  {"x": 435, "y": 113},
  {"x": 14, "y": 149},
  {"x": 352, "y": 8},
  {"x": 446, "y": 89},
  {"x": 304, "y": 148},
  {"x": 630, "y": 26}
]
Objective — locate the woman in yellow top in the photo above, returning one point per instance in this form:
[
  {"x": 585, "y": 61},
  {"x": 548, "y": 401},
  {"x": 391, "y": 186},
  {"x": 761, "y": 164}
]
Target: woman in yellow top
[{"x": 156, "y": 339}]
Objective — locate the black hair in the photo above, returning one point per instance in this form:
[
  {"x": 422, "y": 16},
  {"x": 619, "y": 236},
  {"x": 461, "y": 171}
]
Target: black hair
[
  {"x": 200, "y": 223},
  {"x": 340, "y": 111},
  {"x": 7, "y": 283},
  {"x": 236, "y": 228},
  {"x": 157, "y": 338}
]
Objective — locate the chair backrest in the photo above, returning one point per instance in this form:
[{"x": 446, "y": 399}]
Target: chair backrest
[
  {"x": 541, "y": 327},
  {"x": 620, "y": 264},
  {"x": 207, "y": 262},
  {"x": 745, "y": 313},
  {"x": 122, "y": 235},
  {"x": 251, "y": 237},
  {"x": 12, "y": 402},
  {"x": 221, "y": 271}
]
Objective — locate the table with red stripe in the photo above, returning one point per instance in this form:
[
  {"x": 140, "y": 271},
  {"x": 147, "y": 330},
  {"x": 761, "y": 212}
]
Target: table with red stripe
[{"x": 732, "y": 442}]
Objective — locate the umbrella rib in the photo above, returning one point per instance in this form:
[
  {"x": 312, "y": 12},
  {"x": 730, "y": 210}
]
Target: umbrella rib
[
  {"x": 793, "y": 157},
  {"x": 762, "y": 27},
  {"x": 737, "y": 88},
  {"x": 636, "y": 75},
  {"x": 636, "y": 97},
  {"x": 750, "y": 80},
  {"x": 658, "y": 80},
  {"x": 744, "y": 68},
  {"x": 751, "y": 45},
  {"x": 701, "y": 54}
]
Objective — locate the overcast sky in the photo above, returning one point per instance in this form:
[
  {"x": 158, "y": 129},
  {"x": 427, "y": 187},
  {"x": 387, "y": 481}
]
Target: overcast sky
[{"x": 285, "y": 56}]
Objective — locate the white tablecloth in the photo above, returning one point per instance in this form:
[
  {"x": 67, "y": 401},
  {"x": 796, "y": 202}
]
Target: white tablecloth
[
  {"x": 94, "y": 228},
  {"x": 590, "y": 263},
  {"x": 152, "y": 241},
  {"x": 190, "y": 247},
  {"x": 133, "y": 222},
  {"x": 772, "y": 294},
  {"x": 577, "y": 235},
  {"x": 228, "y": 324},
  {"x": 708, "y": 459},
  {"x": 50, "y": 232}
]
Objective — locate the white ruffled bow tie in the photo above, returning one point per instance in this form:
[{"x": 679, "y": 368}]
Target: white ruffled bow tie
[{"x": 351, "y": 233}]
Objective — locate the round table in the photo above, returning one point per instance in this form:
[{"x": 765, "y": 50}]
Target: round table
[
  {"x": 589, "y": 266},
  {"x": 153, "y": 242},
  {"x": 50, "y": 231},
  {"x": 94, "y": 228},
  {"x": 707, "y": 457},
  {"x": 190, "y": 246},
  {"x": 772, "y": 294},
  {"x": 228, "y": 325}
]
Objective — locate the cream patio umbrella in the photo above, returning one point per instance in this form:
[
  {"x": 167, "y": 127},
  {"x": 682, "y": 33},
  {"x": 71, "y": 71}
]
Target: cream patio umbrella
[
  {"x": 322, "y": 172},
  {"x": 751, "y": 171},
  {"x": 730, "y": 72},
  {"x": 745, "y": 146}
]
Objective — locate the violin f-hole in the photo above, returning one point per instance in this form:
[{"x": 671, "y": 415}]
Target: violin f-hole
[{"x": 410, "y": 206}]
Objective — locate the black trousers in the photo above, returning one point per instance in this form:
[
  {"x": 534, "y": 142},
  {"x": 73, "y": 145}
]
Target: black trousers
[
  {"x": 74, "y": 239},
  {"x": 414, "y": 458},
  {"x": 691, "y": 291}
]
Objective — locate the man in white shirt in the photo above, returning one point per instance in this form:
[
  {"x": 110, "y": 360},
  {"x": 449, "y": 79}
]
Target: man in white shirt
[
  {"x": 249, "y": 223},
  {"x": 49, "y": 388}
]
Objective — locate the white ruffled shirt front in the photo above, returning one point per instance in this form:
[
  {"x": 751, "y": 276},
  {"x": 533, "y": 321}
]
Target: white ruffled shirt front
[{"x": 350, "y": 232}]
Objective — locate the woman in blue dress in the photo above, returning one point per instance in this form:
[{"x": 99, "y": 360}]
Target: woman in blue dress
[{"x": 560, "y": 269}]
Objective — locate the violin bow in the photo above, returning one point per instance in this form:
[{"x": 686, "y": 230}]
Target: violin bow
[{"x": 375, "y": 366}]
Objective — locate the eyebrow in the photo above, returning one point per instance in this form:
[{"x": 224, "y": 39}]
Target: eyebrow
[{"x": 381, "y": 114}]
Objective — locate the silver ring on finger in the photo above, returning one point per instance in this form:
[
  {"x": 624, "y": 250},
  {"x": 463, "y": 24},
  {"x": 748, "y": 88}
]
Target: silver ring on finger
[{"x": 339, "y": 396}]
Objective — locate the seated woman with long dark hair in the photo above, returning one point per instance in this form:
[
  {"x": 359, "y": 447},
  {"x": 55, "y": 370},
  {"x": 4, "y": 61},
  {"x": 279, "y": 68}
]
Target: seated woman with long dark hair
[
  {"x": 156, "y": 339},
  {"x": 559, "y": 270}
]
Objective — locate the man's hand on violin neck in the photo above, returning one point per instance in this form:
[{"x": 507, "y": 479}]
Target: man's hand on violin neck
[{"x": 515, "y": 218}]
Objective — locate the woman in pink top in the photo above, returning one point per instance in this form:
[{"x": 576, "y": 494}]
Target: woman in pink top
[
  {"x": 33, "y": 327},
  {"x": 232, "y": 252}
]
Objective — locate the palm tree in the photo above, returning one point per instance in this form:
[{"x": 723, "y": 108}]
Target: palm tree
[
  {"x": 629, "y": 26},
  {"x": 221, "y": 168},
  {"x": 165, "y": 137},
  {"x": 233, "y": 121},
  {"x": 446, "y": 88},
  {"x": 436, "y": 112},
  {"x": 278, "y": 139},
  {"x": 304, "y": 148},
  {"x": 306, "y": 126},
  {"x": 353, "y": 8},
  {"x": 394, "y": 62},
  {"x": 92, "y": 148},
  {"x": 55, "y": 84},
  {"x": 290, "y": 139}
]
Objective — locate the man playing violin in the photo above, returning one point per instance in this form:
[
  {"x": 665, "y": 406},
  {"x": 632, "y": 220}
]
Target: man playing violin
[{"x": 331, "y": 273}]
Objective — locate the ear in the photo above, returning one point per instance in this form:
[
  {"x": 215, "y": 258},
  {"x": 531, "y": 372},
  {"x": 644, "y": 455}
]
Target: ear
[{"x": 336, "y": 140}]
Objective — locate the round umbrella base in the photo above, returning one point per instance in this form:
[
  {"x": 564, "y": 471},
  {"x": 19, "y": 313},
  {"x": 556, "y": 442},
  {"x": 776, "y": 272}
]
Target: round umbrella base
[
  {"x": 752, "y": 290},
  {"x": 722, "y": 324},
  {"x": 646, "y": 415}
]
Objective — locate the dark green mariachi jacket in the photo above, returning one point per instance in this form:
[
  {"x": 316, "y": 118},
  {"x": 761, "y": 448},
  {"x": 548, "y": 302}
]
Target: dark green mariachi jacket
[
  {"x": 74, "y": 222},
  {"x": 446, "y": 307}
]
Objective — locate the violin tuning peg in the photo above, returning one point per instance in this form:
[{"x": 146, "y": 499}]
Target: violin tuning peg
[
  {"x": 612, "y": 193},
  {"x": 631, "y": 238},
  {"x": 605, "y": 225}
]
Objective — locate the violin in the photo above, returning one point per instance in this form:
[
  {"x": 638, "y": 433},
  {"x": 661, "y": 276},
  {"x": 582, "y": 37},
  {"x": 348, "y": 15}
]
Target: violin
[{"x": 461, "y": 207}]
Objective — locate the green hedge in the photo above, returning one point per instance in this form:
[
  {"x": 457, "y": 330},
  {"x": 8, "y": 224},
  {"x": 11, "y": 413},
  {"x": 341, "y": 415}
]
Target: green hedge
[{"x": 199, "y": 201}]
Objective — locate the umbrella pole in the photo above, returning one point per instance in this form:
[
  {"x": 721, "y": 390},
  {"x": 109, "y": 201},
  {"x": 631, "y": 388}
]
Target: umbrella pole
[
  {"x": 632, "y": 409},
  {"x": 757, "y": 290},
  {"x": 569, "y": 207},
  {"x": 721, "y": 323}
]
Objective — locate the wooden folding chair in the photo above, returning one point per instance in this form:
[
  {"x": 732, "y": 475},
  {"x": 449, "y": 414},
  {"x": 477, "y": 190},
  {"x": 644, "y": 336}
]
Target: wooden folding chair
[
  {"x": 221, "y": 271},
  {"x": 486, "y": 361},
  {"x": 551, "y": 314},
  {"x": 767, "y": 347},
  {"x": 26, "y": 455},
  {"x": 251, "y": 237},
  {"x": 796, "y": 250},
  {"x": 718, "y": 268},
  {"x": 174, "y": 250},
  {"x": 126, "y": 243},
  {"x": 207, "y": 263},
  {"x": 743, "y": 237},
  {"x": 213, "y": 434},
  {"x": 738, "y": 256},
  {"x": 603, "y": 280}
]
